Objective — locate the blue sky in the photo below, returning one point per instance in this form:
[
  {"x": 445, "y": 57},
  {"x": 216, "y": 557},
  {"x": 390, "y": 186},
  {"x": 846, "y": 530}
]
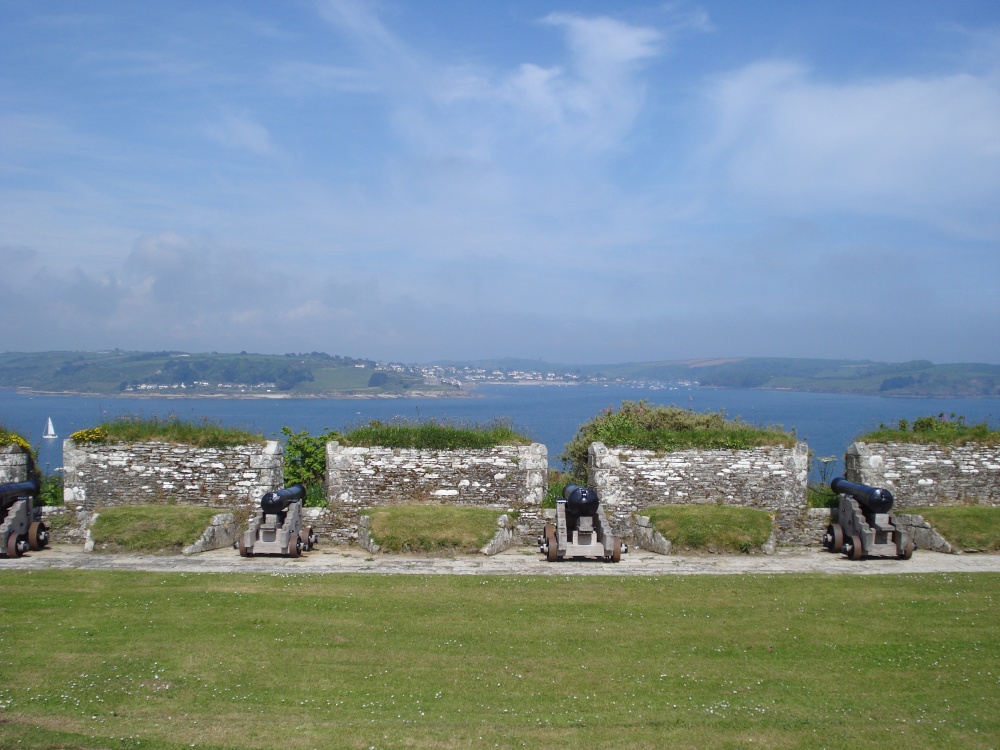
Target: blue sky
[{"x": 576, "y": 181}]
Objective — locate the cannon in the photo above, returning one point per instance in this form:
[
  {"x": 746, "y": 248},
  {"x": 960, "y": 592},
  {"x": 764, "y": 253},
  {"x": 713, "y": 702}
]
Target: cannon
[
  {"x": 865, "y": 527},
  {"x": 21, "y": 528},
  {"x": 581, "y": 529},
  {"x": 277, "y": 528}
]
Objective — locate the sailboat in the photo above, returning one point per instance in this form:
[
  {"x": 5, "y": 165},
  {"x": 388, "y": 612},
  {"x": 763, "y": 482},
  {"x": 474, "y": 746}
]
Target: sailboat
[{"x": 50, "y": 430}]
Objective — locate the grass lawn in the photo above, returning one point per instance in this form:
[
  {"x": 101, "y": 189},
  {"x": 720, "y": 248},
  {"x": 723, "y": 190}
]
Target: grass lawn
[{"x": 152, "y": 660}]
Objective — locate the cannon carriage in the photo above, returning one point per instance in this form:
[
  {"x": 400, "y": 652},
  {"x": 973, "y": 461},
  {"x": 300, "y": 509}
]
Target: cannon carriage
[
  {"x": 277, "y": 528},
  {"x": 865, "y": 526},
  {"x": 20, "y": 529},
  {"x": 581, "y": 529}
]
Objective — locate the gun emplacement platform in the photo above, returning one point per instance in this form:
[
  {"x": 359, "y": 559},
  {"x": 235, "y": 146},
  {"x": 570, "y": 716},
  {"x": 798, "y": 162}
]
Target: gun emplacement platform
[
  {"x": 581, "y": 529},
  {"x": 865, "y": 526},
  {"x": 277, "y": 528}
]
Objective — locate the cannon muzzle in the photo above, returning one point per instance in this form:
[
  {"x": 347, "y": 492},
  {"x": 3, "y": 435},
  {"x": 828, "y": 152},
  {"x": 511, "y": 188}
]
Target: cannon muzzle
[
  {"x": 279, "y": 500},
  {"x": 11, "y": 493},
  {"x": 580, "y": 501},
  {"x": 875, "y": 499}
]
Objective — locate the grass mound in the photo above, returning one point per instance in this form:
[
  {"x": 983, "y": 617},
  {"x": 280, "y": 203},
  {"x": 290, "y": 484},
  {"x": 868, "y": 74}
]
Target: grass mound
[
  {"x": 132, "y": 429},
  {"x": 435, "y": 435},
  {"x": 637, "y": 424},
  {"x": 434, "y": 529},
  {"x": 939, "y": 430},
  {"x": 150, "y": 528},
  {"x": 965, "y": 526},
  {"x": 711, "y": 528}
]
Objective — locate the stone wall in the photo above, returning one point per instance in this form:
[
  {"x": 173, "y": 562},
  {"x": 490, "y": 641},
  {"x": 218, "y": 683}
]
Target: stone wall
[
  {"x": 142, "y": 473},
  {"x": 771, "y": 478},
  {"x": 924, "y": 475},
  {"x": 505, "y": 477},
  {"x": 13, "y": 464}
]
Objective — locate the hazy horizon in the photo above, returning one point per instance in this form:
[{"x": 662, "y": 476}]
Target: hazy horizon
[{"x": 579, "y": 181}]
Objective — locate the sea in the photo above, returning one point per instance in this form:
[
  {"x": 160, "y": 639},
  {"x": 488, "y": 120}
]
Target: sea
[{"x": 549, "y": 414}]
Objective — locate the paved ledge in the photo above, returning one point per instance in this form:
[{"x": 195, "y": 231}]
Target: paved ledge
[{"x": 516, "y": 561}]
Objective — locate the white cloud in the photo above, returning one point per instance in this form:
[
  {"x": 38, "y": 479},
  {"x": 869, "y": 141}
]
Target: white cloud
[
  {"x": 240, "y": 132},
  {"x": 899, "y": 146}
]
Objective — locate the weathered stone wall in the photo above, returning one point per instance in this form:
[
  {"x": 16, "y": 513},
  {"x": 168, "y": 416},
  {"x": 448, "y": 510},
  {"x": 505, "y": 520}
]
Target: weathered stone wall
[
  {"x": 771, "y": 478},
  {"x": 924, "y": 475},
  {"x": 142, "y": 473},
  {"x": 504, "y": 477},
  {"x": 13, "y": 464}
]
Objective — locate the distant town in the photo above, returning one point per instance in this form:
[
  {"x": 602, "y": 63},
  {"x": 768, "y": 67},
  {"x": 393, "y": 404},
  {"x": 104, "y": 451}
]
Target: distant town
[{"x": 462, "y": 378}]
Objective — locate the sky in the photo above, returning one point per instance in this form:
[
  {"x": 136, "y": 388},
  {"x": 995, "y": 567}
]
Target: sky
[{"x": 576, "y": 181}]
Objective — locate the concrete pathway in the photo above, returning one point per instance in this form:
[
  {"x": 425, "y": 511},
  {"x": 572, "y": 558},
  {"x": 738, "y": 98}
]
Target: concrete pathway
[{"x": 518, "y": 561}]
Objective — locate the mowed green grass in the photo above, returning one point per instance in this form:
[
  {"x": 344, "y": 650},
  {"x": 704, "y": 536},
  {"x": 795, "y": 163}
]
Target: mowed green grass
[{"x": 148, "y": 660}]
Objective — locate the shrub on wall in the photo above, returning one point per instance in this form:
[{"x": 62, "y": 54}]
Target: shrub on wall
[
  {"x": 133, "y": 429},
  {"x": 9, "y": 437},
  {"x": 637, "y": 424},
  {"x": 939, "y": 430}
]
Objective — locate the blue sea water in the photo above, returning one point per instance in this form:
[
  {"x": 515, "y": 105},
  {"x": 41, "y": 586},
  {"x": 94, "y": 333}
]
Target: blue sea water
[{"x": 548, "y": 414}]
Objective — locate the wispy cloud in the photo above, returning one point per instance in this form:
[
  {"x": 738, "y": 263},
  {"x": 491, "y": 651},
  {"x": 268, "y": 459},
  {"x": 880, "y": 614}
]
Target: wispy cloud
[
  {"x": 241, "y": 132},
  {"x": 906, "y": 146}
]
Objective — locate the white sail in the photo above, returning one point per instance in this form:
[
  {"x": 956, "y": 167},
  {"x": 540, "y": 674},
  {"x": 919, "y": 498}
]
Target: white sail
[{"x": 50, "y": 430}]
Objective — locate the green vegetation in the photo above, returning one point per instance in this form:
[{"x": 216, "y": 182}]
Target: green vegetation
[
  {"x": 51, "y": 492},
  {"x": 939, "y": 430},
  {"x": 637, "y": 424},
  {"x": 966, "y": 527},
  {"x": 164, "y": 661},
  {"x": 434, "y": 435},
  {"x": 711, "y": 528},
  {"x": 821, "y": 496},
  {"x": 305, "y": 462},
  {"x": 165, "y": 529},
  {"x": 432, "y": 528},
  {"x": 556, "y": 481},
  {"x": 134, "y": 429},
  {"x": 9, "y": 437}
]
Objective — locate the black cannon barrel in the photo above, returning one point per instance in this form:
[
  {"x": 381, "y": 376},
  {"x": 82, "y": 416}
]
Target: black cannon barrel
[
  {"x": 581, "y": 501},
  {"x": 876, "y": 499},
  {"x": 11, "y": 493},
  {"x": 277, "y": 501}
]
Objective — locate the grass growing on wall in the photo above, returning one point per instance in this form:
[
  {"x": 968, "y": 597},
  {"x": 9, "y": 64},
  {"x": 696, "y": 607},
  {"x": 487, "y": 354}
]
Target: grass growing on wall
[
  {"x": 435, "y": 435},
  {"x": 164, "y": 661},
  {"x": 432, "y": 528},
  {"x": 711, "y": 528},
  {"x": 638, "y": 424},
  {"x": 153, "y": 529},
  {"x": 172, "y": 429},
  {"x": 967, "y": 527},
  {"x": 939, "y": 430}
]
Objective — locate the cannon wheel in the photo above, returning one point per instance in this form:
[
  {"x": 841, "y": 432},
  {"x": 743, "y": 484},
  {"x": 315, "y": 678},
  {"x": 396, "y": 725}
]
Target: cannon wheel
[
  {"x": 907, "y": 551},
  {"x": 293, "y": 546},
  {"x": 616, "y": 550},
  {"x": 244, "y": 552},
  {"x": 837, "y": 536},
  {"x": 553, "y": 553},
  {"x": 38, "y": 535},
  {"x": 304, "y": 538},
  {"x": 856, "y": 552},
  {"x": 13, "y": 550}
]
